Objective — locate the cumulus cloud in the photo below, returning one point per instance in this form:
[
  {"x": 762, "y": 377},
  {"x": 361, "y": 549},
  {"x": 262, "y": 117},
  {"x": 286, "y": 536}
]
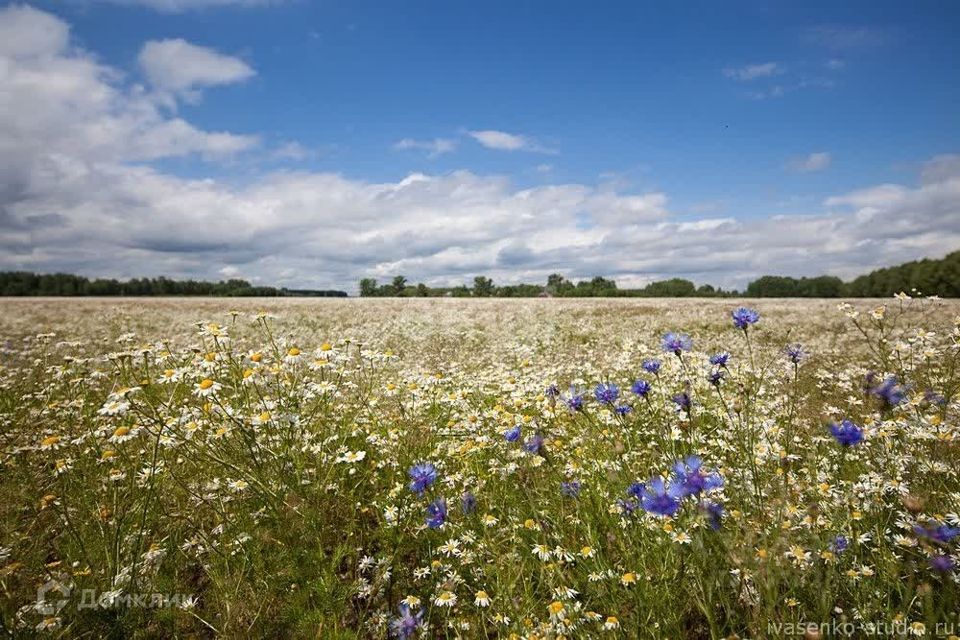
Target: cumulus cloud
[
  {"x": 503, "y": 141},
  {"x": 78, "y": 193},
  {"x": 61, "y": 104},
  {"x": 180, "y": 67},
  {"x": 26, "y": 32},
  {"x": 940, "y": 168},
  {"x": 809, "y": 163},
  {"x": 753, "y": 71}
]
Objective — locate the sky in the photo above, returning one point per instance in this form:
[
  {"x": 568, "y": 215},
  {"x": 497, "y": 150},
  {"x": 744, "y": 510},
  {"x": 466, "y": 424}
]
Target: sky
[{"x": 309, "y": 144}]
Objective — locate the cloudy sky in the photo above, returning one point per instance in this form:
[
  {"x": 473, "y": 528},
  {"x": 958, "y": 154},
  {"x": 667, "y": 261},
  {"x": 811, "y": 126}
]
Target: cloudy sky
[{"x": 311, "y": 143}]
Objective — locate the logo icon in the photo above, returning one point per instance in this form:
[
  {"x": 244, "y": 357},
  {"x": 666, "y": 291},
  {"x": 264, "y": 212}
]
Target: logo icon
[{"x": 52, "y": 597}]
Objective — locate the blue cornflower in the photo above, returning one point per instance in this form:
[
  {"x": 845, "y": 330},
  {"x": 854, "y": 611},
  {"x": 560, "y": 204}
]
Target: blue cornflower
[
  {"x": 839, "y": 544},
  {"x": 651, "y": 366},
  {"x": 683, "y": 401},
  {"x": 436, "y": 513},
  {"x": 693, "y": 479},
  {"x": 715, "y": 378},
  {"x": 623, "y": 409},
  {"x": 676, "y": 343},
  {"x": 552, "y": 391},
  {"x": 890, "y": 391},
  {"x": 468, "y": 503},
  {"x": 512, "y": 434},
  {"x": 406, "y": 625},
  {"x": 934, "y": 398},
  {"x": 795, "y": 353},
  {"x": 570, "y": 489},
  {"x": 641, "y": 388},
  {"x": 942, "y": 563},
  {"x": 534, "y": 443},
  {"x": 936, "y": 532},
  {"x": 574, "y": 399},
  {"x": 606, "y": 393},
  {"x": 422, "y": 476},
  {"x": 743, "y": 317},
  {"x": 847, "y": 433},
  {"x": 659, "y": 498},
  {"x": 714, "y": 512},
  {"x": 720, "y": 359},
  {"x": 636, "y": 489}
]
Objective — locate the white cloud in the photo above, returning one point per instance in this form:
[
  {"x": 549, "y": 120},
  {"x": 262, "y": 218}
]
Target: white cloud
[
  {"x": 26, "y": 32},
  {"x": 940, "y": 168},
  {"x": 61, "y": 107},
  {"x": 810, "y": 163},
  {"x": 503, "y": 141},
  {"x": 434, "y": 148},
  {"x": 291, "y": 151},
  {"x": 180, "y": 67},
  {"x": 753, "y": 71},
  {"x": 76, "y": 195}
]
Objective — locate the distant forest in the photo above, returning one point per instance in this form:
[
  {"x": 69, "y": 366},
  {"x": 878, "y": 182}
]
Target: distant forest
[
  {"x": 929, "y": 277},
  {"x": 24, "y": 283}
]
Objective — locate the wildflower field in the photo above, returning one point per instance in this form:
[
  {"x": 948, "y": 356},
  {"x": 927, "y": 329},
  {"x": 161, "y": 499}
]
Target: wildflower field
[{"x": 479, "y": 468}]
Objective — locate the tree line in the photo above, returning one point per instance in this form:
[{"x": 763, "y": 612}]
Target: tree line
[
  {"x": 929, "y": 277},
  {"x": 25, "y": 283}
]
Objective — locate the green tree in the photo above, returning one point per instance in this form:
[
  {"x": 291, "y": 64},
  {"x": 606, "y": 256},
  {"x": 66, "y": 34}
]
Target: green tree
[
  {"x": 673, "y": 288},
  {"x": 482, "y": 287},
  {"x": 368, "y": 287}
]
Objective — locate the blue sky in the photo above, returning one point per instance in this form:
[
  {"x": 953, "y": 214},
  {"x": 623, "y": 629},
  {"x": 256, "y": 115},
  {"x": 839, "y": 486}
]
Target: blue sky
[{"x": 732, "y": 113}]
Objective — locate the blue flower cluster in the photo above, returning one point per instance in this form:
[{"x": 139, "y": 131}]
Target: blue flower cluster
[
  {"x": 422, "y": 475},
  {"x": 606, "y": 393},
  {"x": 676, "y": 343},
  {"x": 406, "y": 624},
  {"x": 744, "y": 317},
  {"x": 847, "y": 433},
  {"x": 889, "y": 391},
  {"x": 664, "y": 497}
]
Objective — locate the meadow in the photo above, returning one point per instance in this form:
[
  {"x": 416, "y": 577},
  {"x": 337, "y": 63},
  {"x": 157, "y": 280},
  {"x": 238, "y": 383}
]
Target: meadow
[{"x": 479, "y": 468}]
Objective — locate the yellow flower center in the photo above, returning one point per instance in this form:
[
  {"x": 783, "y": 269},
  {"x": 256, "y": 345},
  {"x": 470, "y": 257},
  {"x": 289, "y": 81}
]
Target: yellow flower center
[
  {"x": 206, "y": 383},
  {"x": 121, "y": 431},
  {"x": 50, "y": 441},
  {"x": 293, "y": 352}
]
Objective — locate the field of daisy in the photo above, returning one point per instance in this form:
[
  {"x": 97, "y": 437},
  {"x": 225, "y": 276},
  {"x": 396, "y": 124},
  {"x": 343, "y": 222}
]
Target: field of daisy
[{"x": 479, "y": 468}]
